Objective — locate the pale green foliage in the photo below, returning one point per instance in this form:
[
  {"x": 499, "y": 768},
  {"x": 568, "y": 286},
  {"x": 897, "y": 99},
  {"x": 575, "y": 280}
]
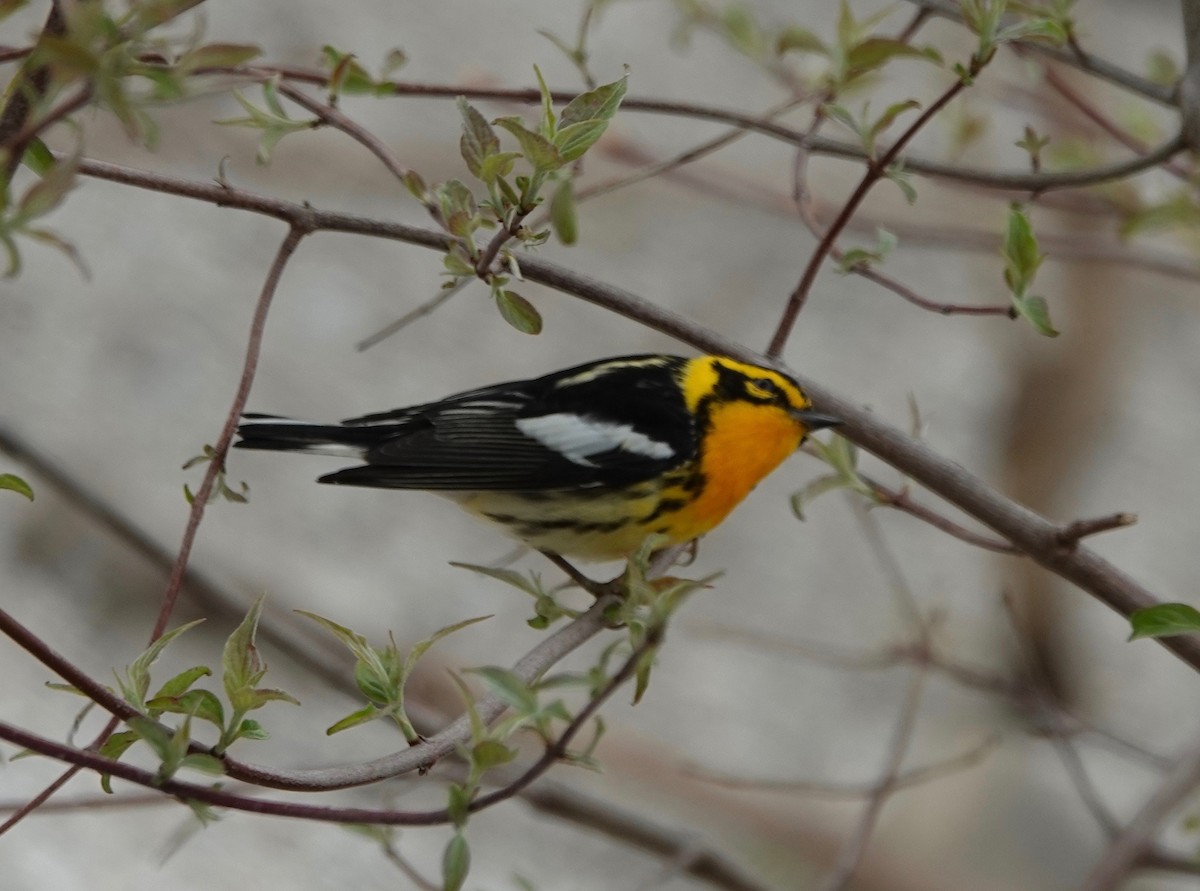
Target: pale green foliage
[
  {"x": 220, "y": 488},
  {"x": 1022, "y": 258},
  {"x": 1165, "y": 620},
  {"x": 381, "y": 673},
  {"x": 14, "y": 483}
]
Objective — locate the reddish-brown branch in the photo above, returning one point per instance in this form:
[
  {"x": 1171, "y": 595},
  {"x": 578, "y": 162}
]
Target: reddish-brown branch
[
  {"x": 554, "y": 752},
  {"x": 902, "y": 500},
  {"x": 876, "y": 170},
  {"x": 300, "y": 225}
]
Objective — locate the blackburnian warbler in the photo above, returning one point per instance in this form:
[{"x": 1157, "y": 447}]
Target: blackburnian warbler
[{"x": 584, "y": 462}]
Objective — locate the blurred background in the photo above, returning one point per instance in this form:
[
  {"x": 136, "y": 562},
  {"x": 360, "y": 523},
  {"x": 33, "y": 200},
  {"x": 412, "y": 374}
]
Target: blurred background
[{"x": 772, "y": 674}]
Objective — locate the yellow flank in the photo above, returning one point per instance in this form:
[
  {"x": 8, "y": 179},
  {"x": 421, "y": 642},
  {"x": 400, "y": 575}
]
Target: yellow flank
[{"x": 744, "y": 443}]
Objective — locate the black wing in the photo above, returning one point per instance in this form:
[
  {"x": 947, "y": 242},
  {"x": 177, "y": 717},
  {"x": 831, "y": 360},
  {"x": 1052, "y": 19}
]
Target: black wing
[{"x": 604, "y": 424}]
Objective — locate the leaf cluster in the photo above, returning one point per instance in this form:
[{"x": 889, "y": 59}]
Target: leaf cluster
[
  {"x": 221, "y": 488},
  {"x": 548, "y": 149},
  {"x": 242, "y": 672},
  {"x": 381, "y": 673}
]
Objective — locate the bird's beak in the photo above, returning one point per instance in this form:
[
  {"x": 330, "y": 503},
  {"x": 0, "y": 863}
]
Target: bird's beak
[{"x": 815, "y": 420}]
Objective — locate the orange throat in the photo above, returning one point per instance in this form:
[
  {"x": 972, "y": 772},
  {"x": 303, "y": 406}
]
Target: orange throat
[{"x": 743, "y": 445}]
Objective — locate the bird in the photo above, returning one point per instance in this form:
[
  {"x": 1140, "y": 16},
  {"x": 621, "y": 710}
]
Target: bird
[{"x": 586, "y": 462}]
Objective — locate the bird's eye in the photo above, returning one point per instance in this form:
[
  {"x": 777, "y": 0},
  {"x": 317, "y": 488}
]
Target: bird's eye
[{"x": 763, "y": 388}]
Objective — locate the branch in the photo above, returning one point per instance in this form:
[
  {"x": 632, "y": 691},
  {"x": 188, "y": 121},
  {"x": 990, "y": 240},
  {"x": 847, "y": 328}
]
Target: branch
[
  {"x": 1074, "y": 57},
  {"x": 1137, "y": 839},
  {"x": 529, "y": 668},
  {"x": 854, "y": 849},
  {"x": 301, "y": 226},
  {"x": 549, "y": 797},
  {"x": 876, "y": 170},
  {"x": 917, "y": 776},
  {"x": 217, "y": 797},
  {"x": 24, "y": 92},
  {"x": 1031, "y": 533},
  {"x": 1015, "y": 181},
  {"x": 1189, "y": 85}
]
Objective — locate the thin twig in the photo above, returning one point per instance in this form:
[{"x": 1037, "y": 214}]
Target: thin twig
[
  {"x": 852, "y": 852},
  {"x": 1016, "y": 181},
  {"x": 907, "y": 779},
  {"x": 412, "y": 315},
  {"x": 876, "y": 171},
  {"x": 299, "y": 227},
  {"x": 1070, "y": 534},
  {"x": 1124, "y": 853},
  {"x": 902, "y": 500}
]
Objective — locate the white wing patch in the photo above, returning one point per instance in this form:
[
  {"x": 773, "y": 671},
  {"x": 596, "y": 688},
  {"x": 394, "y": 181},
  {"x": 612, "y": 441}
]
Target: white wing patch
[{"x": 577, "y": 437}]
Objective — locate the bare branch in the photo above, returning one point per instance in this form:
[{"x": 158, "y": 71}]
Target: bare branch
[
  {"x": 1189, "y": 86},
  {"x": 854, "y": 849},
  {"x": 876, "y": 170},
  {"x": 916, "y": 776},
  {"x": 1137, "y": 838},
  {"x": 1070, "y": 534}
]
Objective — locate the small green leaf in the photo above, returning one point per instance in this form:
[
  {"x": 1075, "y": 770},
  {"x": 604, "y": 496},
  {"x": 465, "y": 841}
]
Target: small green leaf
[
  {"x": 415, "y": 185},
  {"x": 1020, "y": 251},
  {"x": 49, "y": 191},
  {"x": 362, "y": 716},
  {"x": 572, "y": 141},
  {"x": 563, "y": 215},
  {"x": 241, "y": 666},
  {"x": 255, "y": 699},
  {"x": 251, "y": 729},
  {"x": 890, "y": 114},
  {"x": 801, "y": 40},
  {"x": 489, "y": 753},
  {"x": 117, "y": 744},
  {"x": 509, "y": 688},
  {"x": 420, "y": 647},
  {"x": 218, "y": 55},
  {"x": 14, "y": 483},
  {"x": 599, "y": 104},
  {"x": 1162, "y": 68},
  {"x": 154, "y": 735},
  {"x": 1037, "y": 312},
  {"x": 346, "y": 74},
  {"x": 1165, "y": 620},
  {"x": 813, "y": 489},
  {"x": 538, "y": 150},
  {"x": 204, "y": 763},
  {"x": 458, "y": 803},
  {"x": 518, "y": 312},
  {"x": 38, "y": 157},
  {"x": 744, "y": 32},
  {"x": 873, "y": 52},
  {"x": 201, "y": 703},
  {"x": 478, "y": 139},
  {"x": 456, "y": 262},
  {"x": 456, "y": 863},
  {"x": 138, "y": 671}
]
